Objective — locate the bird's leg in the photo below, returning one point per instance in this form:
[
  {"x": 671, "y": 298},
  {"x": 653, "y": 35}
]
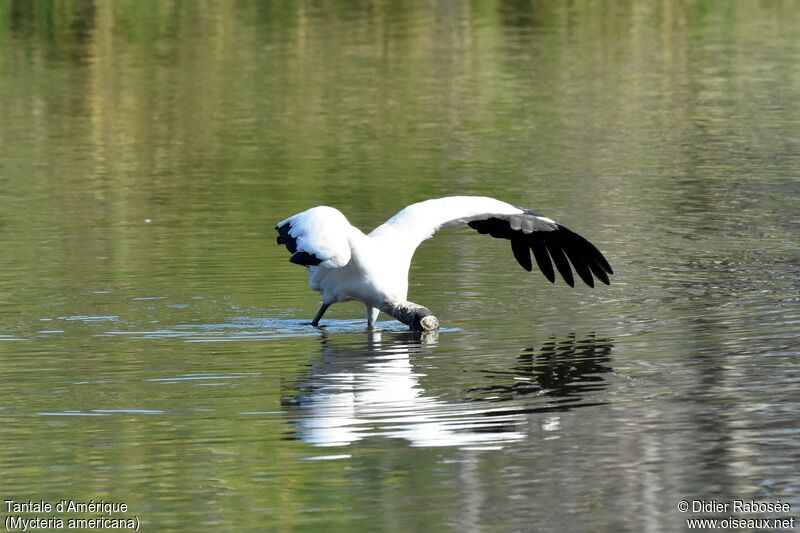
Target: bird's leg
[
  {"x": 321, "y": 312},
  {"x": 372, "y": 315},
  {"x": 415, "y": 316}
]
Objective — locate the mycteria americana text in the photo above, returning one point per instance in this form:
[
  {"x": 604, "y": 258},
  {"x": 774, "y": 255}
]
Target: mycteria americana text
[{"x": 345, "y": 264}]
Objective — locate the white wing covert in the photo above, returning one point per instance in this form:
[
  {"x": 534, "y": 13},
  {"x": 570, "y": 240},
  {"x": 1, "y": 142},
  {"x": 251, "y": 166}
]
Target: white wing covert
[{"x": 316, "y": 237}]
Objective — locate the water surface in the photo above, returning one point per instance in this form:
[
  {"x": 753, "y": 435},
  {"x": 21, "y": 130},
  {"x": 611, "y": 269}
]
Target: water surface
[{"x": 155, "y": 342}]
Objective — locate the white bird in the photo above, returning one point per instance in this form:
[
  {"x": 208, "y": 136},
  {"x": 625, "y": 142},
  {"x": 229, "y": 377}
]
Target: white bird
[{"x": 345, "y": 264}]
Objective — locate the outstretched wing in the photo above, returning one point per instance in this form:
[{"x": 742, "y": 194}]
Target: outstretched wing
[
  {"x": 316, "y": 237},
  {"x": 550, "y": 242}
]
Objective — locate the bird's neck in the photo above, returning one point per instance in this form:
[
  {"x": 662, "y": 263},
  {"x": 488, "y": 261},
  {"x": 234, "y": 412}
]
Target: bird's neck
[{"x": 417, "y": 317}]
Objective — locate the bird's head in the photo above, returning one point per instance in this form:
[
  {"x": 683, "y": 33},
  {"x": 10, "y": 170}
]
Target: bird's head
[{"x": 424, "y": 321}]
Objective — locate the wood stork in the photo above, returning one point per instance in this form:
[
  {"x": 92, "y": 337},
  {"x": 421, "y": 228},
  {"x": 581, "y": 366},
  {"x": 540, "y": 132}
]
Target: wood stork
[{"x": 345, "y": 264}]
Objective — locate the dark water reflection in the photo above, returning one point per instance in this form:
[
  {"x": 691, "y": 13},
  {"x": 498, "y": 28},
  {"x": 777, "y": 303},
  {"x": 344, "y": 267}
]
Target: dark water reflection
[
  {"x": 154, "y": 340},
  {"x": 565, "y": 371}
]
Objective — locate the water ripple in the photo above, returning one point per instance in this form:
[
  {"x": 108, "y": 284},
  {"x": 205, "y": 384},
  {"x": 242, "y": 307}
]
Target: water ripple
[{"x": 256, "y": 329}]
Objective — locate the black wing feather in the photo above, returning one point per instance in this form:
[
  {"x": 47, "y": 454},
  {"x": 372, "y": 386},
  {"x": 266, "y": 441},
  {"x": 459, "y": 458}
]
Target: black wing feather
[
  {"x": 496, "y": 227},
  {"x": 557, "y": 253},
  {"x": 521, "y": 252},
  {"x": 305, "y": 259},
  {"x": 561, "y": 245},
  {"x": 580, "y": 251},
  {"x": 542, "y": 259},
  {"x": 286, "y": 239},
  {"x": 579, "y": 262}
]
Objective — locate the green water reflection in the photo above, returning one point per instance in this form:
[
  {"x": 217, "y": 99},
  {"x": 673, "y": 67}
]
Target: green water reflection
[{"x": 153, "y": 337}]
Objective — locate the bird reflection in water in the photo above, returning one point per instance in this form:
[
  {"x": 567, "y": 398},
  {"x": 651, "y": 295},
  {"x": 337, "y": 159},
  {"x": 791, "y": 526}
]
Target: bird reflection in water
[
  {"x": 567, "y": 372},
  {"x": 354, "y": 391}
]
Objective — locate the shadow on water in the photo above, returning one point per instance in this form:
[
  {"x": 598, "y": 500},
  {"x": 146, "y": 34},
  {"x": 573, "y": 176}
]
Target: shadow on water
[{"x": 355, "y": 390}]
